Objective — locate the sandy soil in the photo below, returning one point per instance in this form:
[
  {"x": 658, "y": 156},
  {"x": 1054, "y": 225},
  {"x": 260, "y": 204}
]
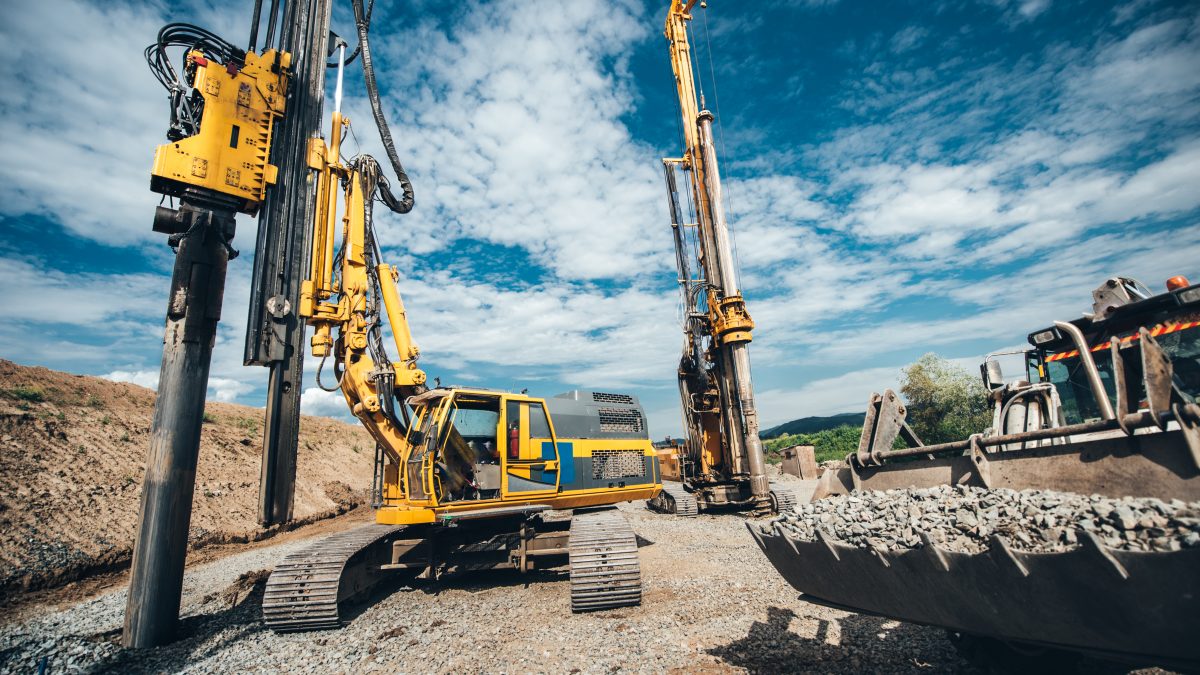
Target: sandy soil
[{"x": 72, "y": 458}]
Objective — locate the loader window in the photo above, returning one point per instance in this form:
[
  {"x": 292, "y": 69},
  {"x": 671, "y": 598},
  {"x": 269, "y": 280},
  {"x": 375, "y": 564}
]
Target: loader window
[
  {"x": 1069, "y": 377},
  {"x": 1183, "y": 347}
]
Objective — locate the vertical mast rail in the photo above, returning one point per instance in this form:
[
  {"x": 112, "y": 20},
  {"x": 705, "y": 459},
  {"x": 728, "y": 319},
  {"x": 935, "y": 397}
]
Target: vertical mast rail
[
  {"x": 275, "y": 332},
  {"x": 729, "y": 323}
]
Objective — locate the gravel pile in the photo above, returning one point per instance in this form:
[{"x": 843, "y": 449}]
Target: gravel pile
[{"x": 963, "y": 519}]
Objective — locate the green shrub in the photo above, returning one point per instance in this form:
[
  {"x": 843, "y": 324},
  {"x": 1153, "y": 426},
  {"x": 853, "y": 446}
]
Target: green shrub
[
  {"x": 945, "y": 401},
  {"x": 827, "y": 444},
  {"x": 27, "y": 394}
]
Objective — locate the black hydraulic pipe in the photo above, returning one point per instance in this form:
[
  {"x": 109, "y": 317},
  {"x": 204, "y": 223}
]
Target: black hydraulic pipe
[
  {"x": 404, "y": 203},
  {"x": 254, "y": 26},
  {"x": 271, "y": 12},
  {"x": 193, "y": 309},
  {"x": 275, "y": 336}
]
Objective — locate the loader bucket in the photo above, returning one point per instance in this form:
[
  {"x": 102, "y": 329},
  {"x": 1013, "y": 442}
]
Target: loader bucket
[{"x": 1142, "y": 607}]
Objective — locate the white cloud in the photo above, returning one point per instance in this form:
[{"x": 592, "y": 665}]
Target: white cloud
[
  {"x": 82, "y": 114},
  {"x": 316, "y": 401},
  {"x": 581, "y": 336},
  {"x": 977, "y": 200},
  {"x": 142, "y": 378},
  {"x": 902, "y": 201},
  {"x": 31, "y": 293},
  {"x": 227, "y": 389},
  {"x": 515, "y": 116},
  {"x": 1031, "y": 8},
  {"x": 908, "y": 38},
  {"x": 826, "y": 396}
]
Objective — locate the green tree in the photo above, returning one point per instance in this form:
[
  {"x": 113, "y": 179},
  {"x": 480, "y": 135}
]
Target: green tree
[
  {"x": 945, "y": 401},
  {"x": 827, "y": 444}
]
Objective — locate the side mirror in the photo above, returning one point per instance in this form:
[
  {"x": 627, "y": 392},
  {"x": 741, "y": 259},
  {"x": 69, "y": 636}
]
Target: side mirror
[{"x": 993, "y": 374}]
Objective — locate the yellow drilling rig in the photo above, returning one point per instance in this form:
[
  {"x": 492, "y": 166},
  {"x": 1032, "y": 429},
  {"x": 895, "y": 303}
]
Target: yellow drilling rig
[
  {"x": 464, "y": 477},
  {"x": 721, "y": 463}
]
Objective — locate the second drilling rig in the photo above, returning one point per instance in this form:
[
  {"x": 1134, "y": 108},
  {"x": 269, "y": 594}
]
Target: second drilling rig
[{"x": 721, "y": 463}]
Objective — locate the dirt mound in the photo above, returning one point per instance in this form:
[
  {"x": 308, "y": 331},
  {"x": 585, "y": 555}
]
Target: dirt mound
[{"x": 72, "y": 457}]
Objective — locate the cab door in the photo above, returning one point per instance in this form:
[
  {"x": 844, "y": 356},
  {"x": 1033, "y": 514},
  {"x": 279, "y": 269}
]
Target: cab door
[
  {"x": 531, "y": 462},
  {"x": 424, "y": 437}
]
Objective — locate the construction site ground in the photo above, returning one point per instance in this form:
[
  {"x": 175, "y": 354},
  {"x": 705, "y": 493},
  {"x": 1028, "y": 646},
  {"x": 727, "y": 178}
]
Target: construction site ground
[
  {"x": 72, "y": 457},
  {"x": 712, "y": 604},
  {"x": 70, "y": 476}
]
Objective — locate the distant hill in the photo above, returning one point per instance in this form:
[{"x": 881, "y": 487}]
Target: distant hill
[{"x": 809, "y": 425}]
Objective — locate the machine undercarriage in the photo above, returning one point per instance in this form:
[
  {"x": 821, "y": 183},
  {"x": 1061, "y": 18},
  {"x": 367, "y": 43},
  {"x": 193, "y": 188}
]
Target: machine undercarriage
[{"x": 311, "y": 589}]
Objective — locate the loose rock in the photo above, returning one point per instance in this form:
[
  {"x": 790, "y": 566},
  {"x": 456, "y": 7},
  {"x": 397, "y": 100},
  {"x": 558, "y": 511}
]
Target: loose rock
[{"x": 962, "y": 518}]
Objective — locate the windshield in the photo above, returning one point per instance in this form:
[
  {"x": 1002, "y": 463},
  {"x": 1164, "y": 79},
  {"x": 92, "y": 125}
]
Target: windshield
[{"x": 1179, "y": 339}]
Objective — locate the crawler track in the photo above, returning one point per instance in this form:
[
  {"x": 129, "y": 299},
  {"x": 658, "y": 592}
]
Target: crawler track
[
  {"x": 782, "y": 499},
  {"x": 674, "y": 499},
  {"x": 305, "y": 589},
  {"x": 605, "y": 572}
]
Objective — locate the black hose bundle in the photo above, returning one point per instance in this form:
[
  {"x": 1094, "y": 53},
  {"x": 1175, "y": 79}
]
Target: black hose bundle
[
  {"x": 405, "y": 203},
  {"x": 186, "y": 110},
  {"x": 371, "y": 182}
]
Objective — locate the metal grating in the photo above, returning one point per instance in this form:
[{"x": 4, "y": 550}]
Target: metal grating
[
  {"x": 628, "y": 420},
  {"x": 610, "y": 464},
  {"x": 602, "y": 397}
]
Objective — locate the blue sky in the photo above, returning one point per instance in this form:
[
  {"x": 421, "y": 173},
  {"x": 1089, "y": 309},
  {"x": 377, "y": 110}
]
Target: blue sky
[{"x": 902, "y": 178}]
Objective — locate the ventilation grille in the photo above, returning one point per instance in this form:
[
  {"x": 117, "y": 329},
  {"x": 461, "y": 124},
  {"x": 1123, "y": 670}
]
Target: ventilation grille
[
  {"x": 627, "y": 420},
  {"x": 601, "y": 397},
  {"x": 612, "y": 464}
]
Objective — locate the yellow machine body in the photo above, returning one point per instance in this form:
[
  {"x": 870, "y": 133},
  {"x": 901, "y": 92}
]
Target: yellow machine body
[
  {"x": 535, "y": 464},
  {"x": 230, "y": 153},
  {"x": 432, "y": 466}
]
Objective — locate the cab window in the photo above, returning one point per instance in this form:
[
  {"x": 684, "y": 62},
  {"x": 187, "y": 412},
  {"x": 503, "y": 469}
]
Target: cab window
[
  {"x": 539, "y": 425},
  {"x": 1070, "y": 378}
]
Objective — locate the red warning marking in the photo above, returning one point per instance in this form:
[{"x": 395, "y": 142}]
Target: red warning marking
[{"x": 1161, "y": 329}]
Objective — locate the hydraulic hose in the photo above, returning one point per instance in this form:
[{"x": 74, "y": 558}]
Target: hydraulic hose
[{"x": 405, "y": 203}]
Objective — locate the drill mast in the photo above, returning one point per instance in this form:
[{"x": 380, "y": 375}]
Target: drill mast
[{"x": 723, "y": 457}]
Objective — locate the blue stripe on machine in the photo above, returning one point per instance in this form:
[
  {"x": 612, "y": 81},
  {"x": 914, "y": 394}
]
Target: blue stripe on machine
[{"x": 566, "y": 460}]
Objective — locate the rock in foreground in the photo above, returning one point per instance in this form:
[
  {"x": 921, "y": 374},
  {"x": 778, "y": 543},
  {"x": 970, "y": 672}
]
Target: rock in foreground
[{"x": 963, "y": 519}]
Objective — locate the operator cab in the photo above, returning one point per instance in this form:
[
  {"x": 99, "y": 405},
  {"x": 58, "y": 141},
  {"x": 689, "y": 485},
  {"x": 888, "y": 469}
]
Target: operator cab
[
  {"x": 1172, "y": 318},
  {"x": 474, "y": 446}
]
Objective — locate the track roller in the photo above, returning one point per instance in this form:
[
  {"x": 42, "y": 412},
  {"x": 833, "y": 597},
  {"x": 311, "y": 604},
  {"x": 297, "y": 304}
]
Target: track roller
[
  {"x": 782, "y": 500},
  {"x": 305, "y": 589}
]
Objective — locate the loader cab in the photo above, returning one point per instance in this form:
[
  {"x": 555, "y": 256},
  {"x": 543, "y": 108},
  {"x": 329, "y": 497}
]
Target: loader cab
[
  {"x": 470, "y": 446},
  {"x": 1173, "y": 319}
]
